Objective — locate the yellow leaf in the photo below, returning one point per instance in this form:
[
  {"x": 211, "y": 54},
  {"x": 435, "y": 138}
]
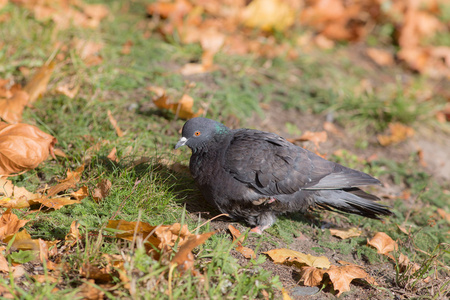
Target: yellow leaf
[
  {"x": 286, "y": 255},
  {"x": 268, "y": 15},
  {"x": 345, "y": 233}
]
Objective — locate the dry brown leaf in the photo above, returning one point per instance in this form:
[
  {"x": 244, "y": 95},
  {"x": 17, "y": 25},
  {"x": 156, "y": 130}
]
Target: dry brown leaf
[
  {"x": 383, "y": 243},
  {"x": 4, "y": 266},
  {"x": 102, "y": 190},
  {"x": 283, "y": 255},
  {"x": 268, "y": 15},
  {"x": 73, "y": 177},
  {"x": 11, "y": 108},
  {"x": 90, "y": 291},
  {"x": 23, "y": 147},
  {"x": 74, "y": 233},
  {"x": 113, "y": 122},
  {"x": 331, "y": 128},
  {"x": 67, "y": 90},
  {"x": 345, "y": 233},
  {"x": 285, "y": 295},
  {"x": 184, "y": 258},
  {"x": 182, "y": 108},
  {"x": 315, "y": 137},
  {"x": 398, "y": 133},
  {"x": 56, "y": 202},
  {"x": 444, "y": 215},
  {"x": 37, "y": 86},
  {"x": 102, "y": 271},
  {"x": 126, "y": 47},
  {"x": 342, "y": 276},
  {"x": 12, "y": 196},
  {"x": 247, "y": 252},
  {"x": 89, "y": 51},
  {"x": 312, "y": 276},
  {"x": 80, "y": 194},
  {"x": 10, "y": 224},
  {"x": 406, "y": 265},
  {"x": 380, "y": 56},
  {"x": 113, "y": 155}
]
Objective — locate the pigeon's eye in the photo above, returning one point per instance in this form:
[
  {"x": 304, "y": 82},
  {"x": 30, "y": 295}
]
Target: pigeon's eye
[{"x": 197, "y": 133}]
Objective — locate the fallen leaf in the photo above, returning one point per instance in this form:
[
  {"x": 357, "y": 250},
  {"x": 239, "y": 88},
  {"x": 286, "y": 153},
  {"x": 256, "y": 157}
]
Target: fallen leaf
[
  {"x": 67, "y": 90},
  {"x": 444, "y": 215},
  {"x": 113, "y": 155},
  {"x": 285, "y": 295},
  {"x": 10, "y": 224},
  {"x": 90, "y": 291},
  {"x": 380, "y": 56},
  {"x": 331, "y": 128},
  {"x": 37, "y": 86},
  {"x": 268, "y": 15},
  {"x": 113, "y": 122},
  {"x": 23, "y": 147},
  {"x": 12, "y": 196},
  {"x": 4, "y": 266},
  {"x": 283, "y": 255},
  {"x": 383, "y": 243},
  {"x": 406, "y": 265},
  {"x": 398, "y": 133},
  {"x": 245, "y": 251},
  {"x": 126, "y": 47},
  {"x": 80, "y": 194},
  {"x": 73, "y": 177},
  {"x": 74, "y": 233},
  {"x": 102, "y": 190},
  {"x": 342, "y": 276},
  {"x": 345, "y": 233},
  {"x": 57, "y": 202},
  {"x": 315, "y": 137},
  {"x": 11, "y": 108},
  {"x": 184, "y": 258},
  {"x": 182, "y": 108},
  {"x": 312, "y": 276}
]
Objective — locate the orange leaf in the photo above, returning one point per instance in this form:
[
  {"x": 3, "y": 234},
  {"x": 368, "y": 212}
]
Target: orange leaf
[
  {"x": 23, "y": 147},
  {"x": 383, "y": 243},
  {"x": 315, "y": 137},
  {"x": 381, "y": 57},
  {"x": 81, "y": 193},
  {"x": 4, "y": 266},
  {"x": 10, "y": 224},
  {"x": 247, "y": 252},
  {"x": 184, "y": 257},
  {"x": 13, "y": 196},
  {"x": 183, "y": 108},
  {"x": 11, "y": 108},
  {"x": 37, "y": 86},
  {"x": 312, "y": 276},
  {"x": 70, "y": 181},
  {"x": 398, "y": 133},
  {"x": 342, "y": 276},
  {"x": 268, "y": 15},
  {"x": 56, "y": 203}
]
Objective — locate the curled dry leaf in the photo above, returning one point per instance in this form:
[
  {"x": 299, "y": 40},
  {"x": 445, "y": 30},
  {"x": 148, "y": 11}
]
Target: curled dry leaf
[
  {"x": 11, "y": 108},
  {"x": 37, "y": 86},
  {"x": 315, "y": 137},
  {"x": 4, "y": 266},
  {"x": 182, "y": 108},
  {"x": 184, "y": 258},
  {"x": 102, "y": 190},
  {"x": 73, "y": 177},
  {"x": 247, "y": 252},
  {"x": 12, "y": 196},
  {"x": 80, "y": 194},
  {"x": 339, "y": 276},
  {"x": 398, "y": 133},
  {"x": 23, "y": 147},
  {"x": 345, "y": 233},
  {"x": 284, "y": 255},
  {"x": 10, "y": 224},
  {"x": 380, "y": 56},
  {"x": 113, "y": 155},
  {"x": 383, "y": 243}
]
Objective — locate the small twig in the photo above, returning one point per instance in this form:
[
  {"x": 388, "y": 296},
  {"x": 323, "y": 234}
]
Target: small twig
[{"x": 210, "y": 221}]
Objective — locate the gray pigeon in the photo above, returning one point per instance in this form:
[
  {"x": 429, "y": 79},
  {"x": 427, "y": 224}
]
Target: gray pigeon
[{"x": 254, "y": 175}]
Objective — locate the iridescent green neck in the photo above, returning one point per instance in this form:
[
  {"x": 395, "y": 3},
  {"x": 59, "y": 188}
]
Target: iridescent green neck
[{"x": 221, "y": 129}]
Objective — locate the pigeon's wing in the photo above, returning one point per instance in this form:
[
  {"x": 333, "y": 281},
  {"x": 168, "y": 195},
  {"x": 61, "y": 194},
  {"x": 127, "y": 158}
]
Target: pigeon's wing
[{"x": 273, "y": 166}]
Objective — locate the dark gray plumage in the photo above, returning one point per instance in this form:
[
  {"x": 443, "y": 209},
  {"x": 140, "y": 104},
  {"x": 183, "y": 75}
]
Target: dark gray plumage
[{"x": 254, "y": 175}]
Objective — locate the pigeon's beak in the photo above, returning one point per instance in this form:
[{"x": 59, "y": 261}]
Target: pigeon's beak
[{"x": 181, "y": 142}]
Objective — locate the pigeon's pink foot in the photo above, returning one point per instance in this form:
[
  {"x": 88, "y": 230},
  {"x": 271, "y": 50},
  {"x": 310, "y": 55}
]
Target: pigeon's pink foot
[
  {"x": 271, "y": 200},
  {"x": 256, "y": 230}
]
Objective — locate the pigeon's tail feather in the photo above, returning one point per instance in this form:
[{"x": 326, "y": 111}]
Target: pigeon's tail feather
[{"x": 353, "y": 201}]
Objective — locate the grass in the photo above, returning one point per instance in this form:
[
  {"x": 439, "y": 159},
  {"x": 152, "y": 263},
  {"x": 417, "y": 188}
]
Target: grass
[{"x": 317, "y": 83}]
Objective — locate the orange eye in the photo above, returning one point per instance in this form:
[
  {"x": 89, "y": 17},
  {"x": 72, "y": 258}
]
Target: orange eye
[{"x": 197, "y": 133}]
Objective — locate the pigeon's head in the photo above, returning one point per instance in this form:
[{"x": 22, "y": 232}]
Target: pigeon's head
[{"x": 198, "y": 132}]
